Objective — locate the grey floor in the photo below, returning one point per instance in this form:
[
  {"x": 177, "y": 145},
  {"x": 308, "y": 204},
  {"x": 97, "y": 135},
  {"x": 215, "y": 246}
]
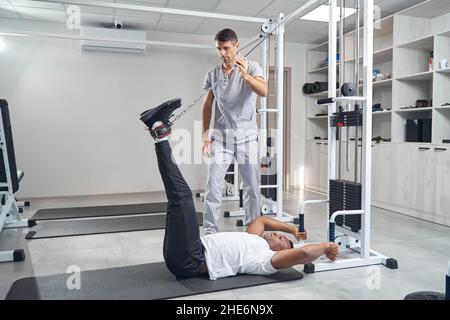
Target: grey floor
[{"x": 421, "y": 248}]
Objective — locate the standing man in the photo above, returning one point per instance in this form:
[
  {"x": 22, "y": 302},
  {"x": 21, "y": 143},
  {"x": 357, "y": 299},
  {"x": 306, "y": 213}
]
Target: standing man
[{"x": 233, "y": 89}]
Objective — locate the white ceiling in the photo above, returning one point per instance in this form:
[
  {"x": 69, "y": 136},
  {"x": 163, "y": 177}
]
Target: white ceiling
[{"x": 299, "y": 31}]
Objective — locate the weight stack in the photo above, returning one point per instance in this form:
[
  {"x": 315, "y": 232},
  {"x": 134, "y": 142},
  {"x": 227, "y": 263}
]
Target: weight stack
[
  {"x": 269, "y": 178},
  {"x": 346, "y": 195},
  {"x": 229, "y": 177},
  {"x": 346, "y": 119}
]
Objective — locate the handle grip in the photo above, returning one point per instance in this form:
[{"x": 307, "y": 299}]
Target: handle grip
[
  {"x": 332, "y": 232},
  {"x": 301, "y": 222}
]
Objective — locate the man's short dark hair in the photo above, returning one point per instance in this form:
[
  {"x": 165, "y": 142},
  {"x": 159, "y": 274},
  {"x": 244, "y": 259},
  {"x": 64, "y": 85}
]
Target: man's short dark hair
[{"x": 226, "y": 35}]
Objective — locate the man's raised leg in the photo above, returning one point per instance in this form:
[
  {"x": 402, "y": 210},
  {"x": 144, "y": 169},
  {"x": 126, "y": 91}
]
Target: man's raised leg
[{"x": 183, "y": 249}]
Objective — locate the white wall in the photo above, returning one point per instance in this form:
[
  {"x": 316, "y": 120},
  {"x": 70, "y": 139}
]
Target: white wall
[{"x": 75, "y": 115}]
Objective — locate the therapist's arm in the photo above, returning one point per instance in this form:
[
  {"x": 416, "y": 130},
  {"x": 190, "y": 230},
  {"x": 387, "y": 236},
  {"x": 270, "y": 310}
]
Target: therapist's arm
[
  {"x": 206, "y": 120},
  {"x": 257, "y": 84}
]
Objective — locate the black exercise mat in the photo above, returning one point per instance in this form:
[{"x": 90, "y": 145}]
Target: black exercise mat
[
  {"x": 65, "y": 228},
  {"x": 99, "y": 211},
  {"x": 140, "y": 282}
]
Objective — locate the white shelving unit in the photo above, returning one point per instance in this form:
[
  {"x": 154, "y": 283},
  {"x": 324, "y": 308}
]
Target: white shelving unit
[
  {"x": 383, "y": 56},
  {"x": 403, "y": 44},
  {"x": 421, "y": 30}
]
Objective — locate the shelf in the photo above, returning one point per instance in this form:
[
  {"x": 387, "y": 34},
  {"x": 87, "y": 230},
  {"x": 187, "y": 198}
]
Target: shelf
[
  {"x": 318, "y": 117},
  {"x": 353, "y": 59},
  {"x": 422, "y": 43},
  {"x": 421, "y": 76},
  {"x": 383, "y": 55},
  {"x": 414, "y": 110},
  {"x": 380, "y": 56},
  {"x": 322, "y": 70},
  {"x": 444, "y": 71},
  {"x": 323, "y": 94},
  {"x": 444, "y": 34},
  {"x": 382, "y": 27},
  {"x": 416, "y": 143},
  {"x": 442, "y": 108},
  {"x": 379, "y": 113},
  {"x": 323, "y": 47},
  {"x": 382, "y": 84}
]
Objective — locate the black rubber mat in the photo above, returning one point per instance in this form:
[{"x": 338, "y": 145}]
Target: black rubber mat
[
  {"x": 99, "y": 211},
  {"x": 140, "y": 282},
  {"x": 68, "y": 228}
]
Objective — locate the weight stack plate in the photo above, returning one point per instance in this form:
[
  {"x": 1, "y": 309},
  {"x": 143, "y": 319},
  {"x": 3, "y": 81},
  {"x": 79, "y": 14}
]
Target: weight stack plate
[
  {"x": 269, "y": 180},
  {"x": 346, "y": 195},
  {"x": 346, "y": 119}
]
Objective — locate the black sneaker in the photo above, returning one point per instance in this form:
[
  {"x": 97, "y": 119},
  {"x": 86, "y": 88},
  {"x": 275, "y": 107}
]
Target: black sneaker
[{"x": 160, "y": 113}]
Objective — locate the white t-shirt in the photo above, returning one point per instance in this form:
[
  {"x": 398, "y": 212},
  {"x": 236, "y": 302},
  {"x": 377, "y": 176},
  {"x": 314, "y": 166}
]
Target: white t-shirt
[{"x": 231, "y": 253}]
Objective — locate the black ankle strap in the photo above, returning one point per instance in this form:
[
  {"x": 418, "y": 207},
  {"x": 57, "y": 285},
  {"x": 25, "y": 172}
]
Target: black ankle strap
[{"x": 162, "y": 130}]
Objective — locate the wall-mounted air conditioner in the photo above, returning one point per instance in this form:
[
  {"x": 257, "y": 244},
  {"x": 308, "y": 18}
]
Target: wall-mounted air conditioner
[{"x": 113, "y": 40}]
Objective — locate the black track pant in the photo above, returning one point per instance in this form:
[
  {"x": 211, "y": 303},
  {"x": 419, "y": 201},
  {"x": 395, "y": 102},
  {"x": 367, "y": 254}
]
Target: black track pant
[{"x": 183, "y": 249}]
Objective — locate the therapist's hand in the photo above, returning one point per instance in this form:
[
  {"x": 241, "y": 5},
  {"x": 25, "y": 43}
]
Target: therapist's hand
[
  {"x": 206, "y": 148},
  {"x": 242, "y": 64}
]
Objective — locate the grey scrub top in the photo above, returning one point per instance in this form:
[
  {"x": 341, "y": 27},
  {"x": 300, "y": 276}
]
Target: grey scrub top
[{"x": 234, "y": 104}]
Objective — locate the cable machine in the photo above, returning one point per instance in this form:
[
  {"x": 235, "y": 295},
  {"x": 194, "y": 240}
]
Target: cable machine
[{"x": 349, "y": 202}]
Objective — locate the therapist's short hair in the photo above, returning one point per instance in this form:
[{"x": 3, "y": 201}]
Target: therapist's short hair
[{"x": 226, "y": 35}]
